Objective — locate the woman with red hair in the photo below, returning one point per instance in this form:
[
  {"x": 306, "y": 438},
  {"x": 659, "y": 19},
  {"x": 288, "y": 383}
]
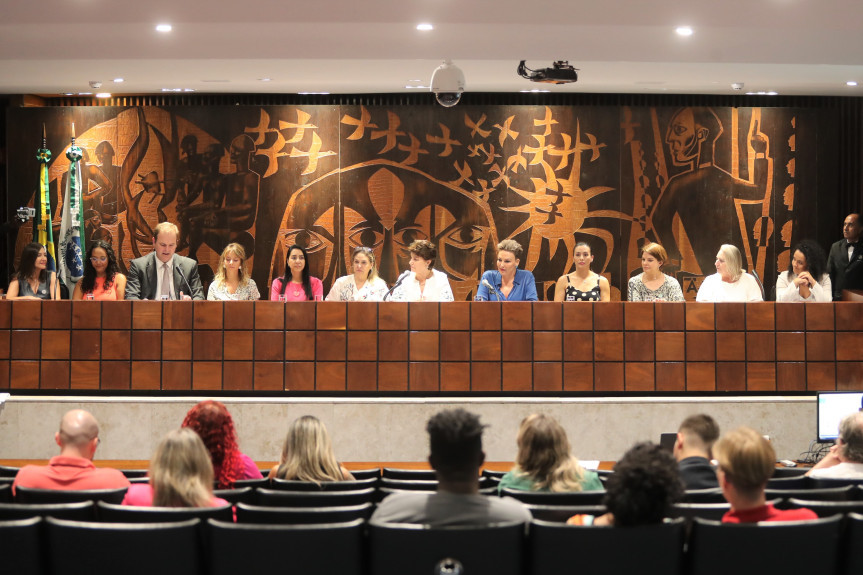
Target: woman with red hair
[{"x": 212, "y": 421}]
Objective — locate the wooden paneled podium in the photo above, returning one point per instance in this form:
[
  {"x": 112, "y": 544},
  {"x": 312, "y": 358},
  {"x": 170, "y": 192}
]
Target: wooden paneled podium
[{"x": 430, "y": 348}]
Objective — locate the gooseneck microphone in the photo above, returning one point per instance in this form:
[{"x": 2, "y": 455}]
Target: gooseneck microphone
[
  {"x": 487, "y": 284},
  {"x": 399, "y": 281},
  {"x": 182, "y": 275}
]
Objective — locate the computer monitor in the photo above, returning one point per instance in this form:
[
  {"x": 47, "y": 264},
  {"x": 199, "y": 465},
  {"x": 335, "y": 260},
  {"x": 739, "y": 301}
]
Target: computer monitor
[{"x": 833, "y": 406}]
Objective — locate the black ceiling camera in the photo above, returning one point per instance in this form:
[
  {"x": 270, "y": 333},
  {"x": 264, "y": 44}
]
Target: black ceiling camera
[{"x": 559, "y": 73}]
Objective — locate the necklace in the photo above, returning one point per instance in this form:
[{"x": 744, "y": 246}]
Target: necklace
[{"x": 297, "y": 287}]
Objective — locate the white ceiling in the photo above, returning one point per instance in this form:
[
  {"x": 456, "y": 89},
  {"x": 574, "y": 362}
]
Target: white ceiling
[{"x": 794, "y": 47}]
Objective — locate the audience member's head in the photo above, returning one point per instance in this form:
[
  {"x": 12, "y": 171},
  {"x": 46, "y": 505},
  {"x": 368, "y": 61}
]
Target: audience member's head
[
  {"x": 644, "y": 486},
  {"x": 78, "y": 435},
  {"x": 213, "y": 423},
  {"x": 308, "y": 453},
  {"x": 850, "y": 442},
  {"x": 544, "y": 454},
  {"x": 745, "y": 461},
  {"x": 180, "y": 472},
  {"x": 696, "y": 437},
  {"x": 455, "y": 440}
]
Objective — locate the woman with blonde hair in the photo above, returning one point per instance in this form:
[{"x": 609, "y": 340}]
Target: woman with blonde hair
[
  {"x": 308, "y": 454},
  {"x": 362, "y": 285},
  {"x": 232, "y": 280},
  {"x": 730, "y": 282},
  {"x": 545, "y": 462},
  {"x": 181, "y": 475}
]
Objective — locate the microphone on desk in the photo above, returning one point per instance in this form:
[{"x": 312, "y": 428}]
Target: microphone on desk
[
  {"x": 397, "y": 284},
  {"x": 487, "y": 284},
  {"x": 177, "y": 267}
]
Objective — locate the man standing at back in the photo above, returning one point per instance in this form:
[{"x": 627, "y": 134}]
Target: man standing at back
[
  {"x": 162, "y": 274},
  {"x": 845, "y": 262},
  {"x": 696, "y": 436},
  {"x": 73, "y": 469},
  {"x": 455, "y": 438}
]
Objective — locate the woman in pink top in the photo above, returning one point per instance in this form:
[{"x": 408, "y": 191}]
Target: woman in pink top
[
  {"x": 102, "y": 278},
  {"x": 298, "y": 284},
  {"x": 181, "y": 475}
]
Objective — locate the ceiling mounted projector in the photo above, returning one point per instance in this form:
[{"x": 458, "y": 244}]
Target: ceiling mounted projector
[
  {"x": 559, "y": 73},
  {"x": 447, "y": 83}
]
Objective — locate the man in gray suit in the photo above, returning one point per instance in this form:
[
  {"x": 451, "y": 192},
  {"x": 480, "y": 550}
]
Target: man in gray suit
[{"x": 162, "y": 274}]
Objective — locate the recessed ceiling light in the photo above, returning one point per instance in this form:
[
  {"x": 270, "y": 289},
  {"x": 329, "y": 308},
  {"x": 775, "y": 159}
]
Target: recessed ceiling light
[
  {"x": 68, "y": 94},
  {"x": 85, "y": 93},
  {"x": 265, "y": 79},
  {"x": 164, "y": 27},
  {"x": 534, "y": 91},
  {"x": 425, "y": 27},
  {"x": 851, "y": 83},
  {"x": 684, "y": 31},
  {"x": 762, "y": 93},
  {"x": 416, "y": 87},
  {"x": 119, "y": 80},
  {"x": 103, "y": 95},
  {"x": 313, "y": 93},
  {"x": 188, "y": 89},
  {"x": 172, "y": 89}
]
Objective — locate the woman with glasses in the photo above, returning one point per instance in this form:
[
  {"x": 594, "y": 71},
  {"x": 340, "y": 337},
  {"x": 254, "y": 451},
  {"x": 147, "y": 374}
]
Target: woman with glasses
[
  {"x": 102, "y": 278},
  {"x": 364, "y": 284},
  {"x": 232, "y": 281}
]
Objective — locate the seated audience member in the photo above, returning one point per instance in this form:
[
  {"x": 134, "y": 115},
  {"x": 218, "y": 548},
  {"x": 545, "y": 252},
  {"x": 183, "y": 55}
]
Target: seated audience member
[
  {"x": 73, "y": 469},
  {"x": 845, "y": 460},
  {"x": 745, "y": 461},
  {"x": 545, "y": 462},
  {"x": 181, "y": 475},
  {"x": 102, "y": 278},
  {"x": 308, "y": 454},
  {"x": 232, "y": 281},
  {"x": 695, "y": 437},
  {"x": 641, "y": 491},
  {"x": 730, "y": 282},
  {"x": 455, "y": 438},
  {"x": 214, "y": 424},
  {"x": 807, "y": 278}
]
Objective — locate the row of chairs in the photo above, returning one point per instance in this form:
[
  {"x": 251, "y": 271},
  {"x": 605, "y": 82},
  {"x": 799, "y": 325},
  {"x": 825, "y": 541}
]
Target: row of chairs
[{"x": 828, "y": 546}]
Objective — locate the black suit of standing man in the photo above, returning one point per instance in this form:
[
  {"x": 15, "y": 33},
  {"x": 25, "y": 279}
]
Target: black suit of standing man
[
  {"x": 846, "y": 271},
  {"x": 146, "y": 272}
]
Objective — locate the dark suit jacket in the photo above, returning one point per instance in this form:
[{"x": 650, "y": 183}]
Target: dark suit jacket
[
  {"x": 142, "y": 281},
  {"x": 845, "y": 273}
]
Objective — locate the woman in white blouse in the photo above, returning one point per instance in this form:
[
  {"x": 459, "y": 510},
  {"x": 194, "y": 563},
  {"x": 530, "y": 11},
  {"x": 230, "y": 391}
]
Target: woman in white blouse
[
  {"x": 730, "y": 282},
  {"x": 806, "y": 278},
  {"x": 424, "y": 283},
  {"x": 362, "y": 285}
]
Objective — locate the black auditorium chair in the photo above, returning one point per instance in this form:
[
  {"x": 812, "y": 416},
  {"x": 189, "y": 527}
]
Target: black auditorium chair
[
  {"x": 127, "y": 548},
  {"x": 77, "y": 511},
  {"x": 713, "y": 495},
  {"x": 547, "y": 498},
  {"x": 827, "y": 508},
  {"x": 21, "y": 551},
  {"x": 493, "y": 474},
  {"x": 689, "y": 511},
  {"x": 409, "y": 484},
  {"x": 826, "y": 483},
  {"x": 29, "y": 495},
  {"x": 111, "y": 513},
  {"x": 234, "y": 496},
  {"x": 497, "y": 549},
  {"x": 134, "y": 473},
  {"x": 790, "y": 548},
  {"x": 302, "y": 515},
  {"x": 789, "y": 471},
  {"x": 373, "y": 473},
  {"x": 845, "y": 493},
  {"x": 253, "y": 483},
  {"x": 790, "y": 482},
  {"x": 293, "y": 485},
  {"x": 334, "y": 548},
  {"x": 278, "y": 498},
  {"x": 395, "y": 473},
  {"x": 6, "y": 471},
  {"x": 556, "y": 548},
  {"x": 560, "y": 513},
  {"x": 852, "y": 559},
  {"x": 5, "y": 492}
]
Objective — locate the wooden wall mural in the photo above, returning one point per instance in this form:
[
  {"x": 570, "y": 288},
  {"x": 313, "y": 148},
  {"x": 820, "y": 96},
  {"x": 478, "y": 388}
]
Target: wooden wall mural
[{"x": 335, "y": 177}]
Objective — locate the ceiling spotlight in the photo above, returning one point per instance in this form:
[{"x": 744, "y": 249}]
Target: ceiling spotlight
[
  {"x": 851, "y": 83},
  {"x": 683, "y": 31},
  {"x": 425, "y": 27},
  {"x": 313, "y": 93},
  {"x": 103, "y": 95},
  {"x": 164, "y": 27},
  {"x": 534, "y": 91},
  {"x": 265, "y": 79},
  {"x": 119, "y": 80}
]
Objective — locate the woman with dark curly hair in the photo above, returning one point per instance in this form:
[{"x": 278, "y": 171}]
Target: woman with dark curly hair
[
  {"x": 212, "y": 421},
  {"x": 807, "y": 278},
  {"x": 102, "y": 278},
  {"x": 641, "y": 491}
]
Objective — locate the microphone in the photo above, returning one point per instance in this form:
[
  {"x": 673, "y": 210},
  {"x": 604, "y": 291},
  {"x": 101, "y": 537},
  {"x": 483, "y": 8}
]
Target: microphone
[
  {"x": 397, "y": 284},
  {"x": 487, "y": 284},
  {"x": 182, "y": 275}
]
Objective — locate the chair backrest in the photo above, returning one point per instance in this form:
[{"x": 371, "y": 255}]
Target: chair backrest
[
  {"x": 30, "y": 495},
  {"x": 373, "y": 473},
  {"x": 292, "y": 485},
  {"x": 395, "y": 473},
  {"x": 396, "y": 549},
  {"x": 5, "y": 493},
  {"x": 303, "y": 549},
  {"x": 789, "y": 471},
  {"x": 134, "y": 473},
  {"x": 409, "y": 484},
  {"x": 234, "y": 496},
  {"x": 713, "y": 511},
  {"x": 493, "y": 474},
  {"x": 713, "y": 495},
  {"x": 546, "y": 498},
  {"x": 557, "y": 548},
  {"x": 6, "y": 471},
  {"x": 77, "y": 511},
  {"x": 112, "y": 513},
  {"x": 826, "y": 508},
  {"x": 829, "y": 494},
  {"x": 560, "y": 513},
  {"x": 827, "y": 483},
  {"x": 127, "y": 548},
  {"x": 852, "y": 559},
  {"x": 756, "y": 548},
  {"x": 760, "y": 284},
  {"x": 278, "y": 498},
  {"x": 253, "y": 483},
  {"x": 302, "y": 515},
  {"x": 790, "y": 482},
  {"x": 21, "y": 549}
]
